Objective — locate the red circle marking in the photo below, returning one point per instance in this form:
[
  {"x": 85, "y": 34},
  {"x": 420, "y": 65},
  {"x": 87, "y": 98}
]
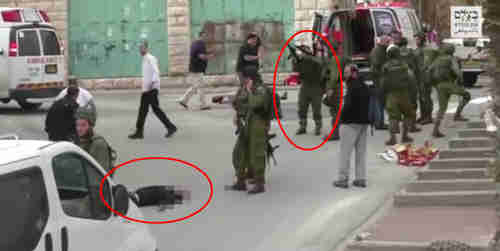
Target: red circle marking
[
  {"x": 274, "y": 90},
  {"x": 159, "y": 222}
]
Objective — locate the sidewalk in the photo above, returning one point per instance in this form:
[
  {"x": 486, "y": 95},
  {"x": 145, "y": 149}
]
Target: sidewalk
[{"x": 451, "y": 199}]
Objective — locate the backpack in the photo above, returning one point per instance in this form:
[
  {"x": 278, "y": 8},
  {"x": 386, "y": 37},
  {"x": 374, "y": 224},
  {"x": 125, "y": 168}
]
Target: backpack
[{"x": 113, "y": 156}]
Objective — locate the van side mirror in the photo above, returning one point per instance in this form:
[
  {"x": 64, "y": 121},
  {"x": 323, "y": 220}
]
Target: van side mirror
[{"x": 121, "y": 199}]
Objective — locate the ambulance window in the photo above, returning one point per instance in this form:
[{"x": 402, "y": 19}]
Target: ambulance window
[
  {"x": 29, "y": 44},
  {"x": 50, "y": 43},
  {"x": 24, "y": 211},
  {"x": 78, "y": 186},
  {"x": 384, "y": 22}
]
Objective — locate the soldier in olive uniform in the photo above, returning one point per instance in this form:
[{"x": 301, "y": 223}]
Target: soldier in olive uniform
[
  {"x": 410, "y": 59},
  {"x": 312, "y": 70},
  {"x": 377, "y": 58},
  {"x": 333, "y": 89},
  {"x": 446, "y": 72},
  {"x": 253, "y": 102},
  {"x": 396, "y": 80}
]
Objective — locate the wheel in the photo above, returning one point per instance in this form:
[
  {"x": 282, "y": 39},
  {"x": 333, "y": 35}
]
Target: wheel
[
  {"x": 470, "y": 78},
  {"x": 28, "y": 106},
  {"x": 5, "y": 100}
]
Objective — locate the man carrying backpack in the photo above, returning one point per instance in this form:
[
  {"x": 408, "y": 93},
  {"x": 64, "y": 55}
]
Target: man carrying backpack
[
  {"x": 94, "y": 144},
  {"x": 445, "y": 71},
  {"x": 396, "y": 79}
]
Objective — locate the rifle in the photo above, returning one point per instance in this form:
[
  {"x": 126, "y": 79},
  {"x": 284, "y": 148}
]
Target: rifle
[
  {"x": 293, "y": 52},
  {"x": 271, "y": 148}
]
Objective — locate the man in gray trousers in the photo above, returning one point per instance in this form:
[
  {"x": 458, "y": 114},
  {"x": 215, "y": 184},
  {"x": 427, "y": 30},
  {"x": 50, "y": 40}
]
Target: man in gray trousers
[{"x": 354, "y": 129}]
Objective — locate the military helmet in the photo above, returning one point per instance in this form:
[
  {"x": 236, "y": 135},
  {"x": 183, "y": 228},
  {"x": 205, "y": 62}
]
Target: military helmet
[
  {"x": 393, "y": 51},
  {"x": 85, "y": 114},
  {"x": 448, "y": 49}
]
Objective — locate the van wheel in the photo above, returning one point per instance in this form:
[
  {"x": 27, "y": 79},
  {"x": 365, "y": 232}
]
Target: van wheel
[
  {"x": 28, "y": 106},
  {"x": 5, "y": 100}
]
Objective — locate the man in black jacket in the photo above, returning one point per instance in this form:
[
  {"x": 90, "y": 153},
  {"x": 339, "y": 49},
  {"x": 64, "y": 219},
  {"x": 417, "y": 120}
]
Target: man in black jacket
[
  {"x": 353, "y": 132},
  {"x": 60, "y": 123}
]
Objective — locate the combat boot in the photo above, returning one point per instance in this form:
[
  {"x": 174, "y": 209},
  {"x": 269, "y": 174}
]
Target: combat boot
[
  {"x": 239, "y": 185},
  {"x": 137, "y": 135},
  {"x": 258, "y": 188},
  {"x": 406, "y": 128},
  {"x": 413, "y": 127},
  {"x": 426, "y": 120},
  {"x": 317, "y": 131},
  {"x": 436, "y": 133},
  {"x": 302, "y": 128},
  {"x": 393, "y": 124}
]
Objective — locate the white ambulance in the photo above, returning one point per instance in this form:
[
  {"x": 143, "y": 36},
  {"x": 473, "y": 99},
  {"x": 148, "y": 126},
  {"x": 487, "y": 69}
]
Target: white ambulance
[
  {"x": 32, "y": 64},
  {"x": 50, "y": 202}
]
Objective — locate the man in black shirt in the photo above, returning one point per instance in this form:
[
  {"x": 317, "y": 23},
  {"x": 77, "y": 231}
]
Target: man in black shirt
[
  {"x": 197, "y": 68},
  {"x": 60, "y": 123}
]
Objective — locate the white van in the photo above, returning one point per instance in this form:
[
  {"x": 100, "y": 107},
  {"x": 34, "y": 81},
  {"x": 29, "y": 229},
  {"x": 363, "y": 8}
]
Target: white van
[
  {"x": 50, "y": 202},
  {"x": 32, "y": 65},
  {"x": 364, "y": 24}
]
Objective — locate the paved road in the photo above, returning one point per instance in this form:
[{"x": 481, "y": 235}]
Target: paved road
[{"x": 300, "y": 211}]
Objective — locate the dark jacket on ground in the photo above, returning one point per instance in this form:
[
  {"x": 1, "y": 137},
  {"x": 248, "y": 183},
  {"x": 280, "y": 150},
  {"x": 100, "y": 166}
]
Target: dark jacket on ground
[
  {"x": 356, "y": 103},
  {"x": 60, "y": 123}
]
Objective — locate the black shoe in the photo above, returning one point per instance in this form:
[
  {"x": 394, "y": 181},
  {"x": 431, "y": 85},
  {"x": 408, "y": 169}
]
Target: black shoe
[
  {"x": 341, "y": 184},
  {"x": 170, "y": 133},
  {"x": 136, "y": 136},
  {"x": 259, "y": 188},
  {"x": 359, "y": 183}
]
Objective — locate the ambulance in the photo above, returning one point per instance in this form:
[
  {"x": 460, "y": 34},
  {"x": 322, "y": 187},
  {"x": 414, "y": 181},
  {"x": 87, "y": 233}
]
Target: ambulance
[{"x": 32, "y": 64}]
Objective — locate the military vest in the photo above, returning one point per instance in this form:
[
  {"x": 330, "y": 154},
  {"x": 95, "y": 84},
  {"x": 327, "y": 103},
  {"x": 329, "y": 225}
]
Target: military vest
[
  {"x": 310, "y": 69},
  {"x": 441, "y": 69},
  {"x": 396, "y": 76}
]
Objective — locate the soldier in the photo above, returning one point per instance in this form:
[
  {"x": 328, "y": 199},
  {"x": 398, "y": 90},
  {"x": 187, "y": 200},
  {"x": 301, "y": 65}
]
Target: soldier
[
  {"x": 396, "y": 78},
  {"x": 254, "y": 101},
  {"x": 446, "y": 72},
  {"x": 425, "y": 56},
  {"x": 333, "y": 89},
  {"x": 410, "y": 59},
  {"x": 377, "y": 58},
  {"x": 311, "y": 71}
]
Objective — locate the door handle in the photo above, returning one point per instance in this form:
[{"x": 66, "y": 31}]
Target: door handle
[
  {"x": 49, "y": 246},
  {"x": 64, "y": 239}
]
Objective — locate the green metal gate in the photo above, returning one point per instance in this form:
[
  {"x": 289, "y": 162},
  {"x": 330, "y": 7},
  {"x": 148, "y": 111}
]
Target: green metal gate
[
  {"x": 104, "y": 36},
  {"x": 228, "y": 21}
]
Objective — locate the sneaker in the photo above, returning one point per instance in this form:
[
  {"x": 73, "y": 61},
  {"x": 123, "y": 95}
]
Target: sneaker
[
  {"x": 170, "y": 133},
  {"x": 136, "y": 136},
  {"x": 205, "y": 108},
  {"x": 359, "y": 183},
  {"x": 183, "y": 105},
  {"x": 341, "y": 184}
]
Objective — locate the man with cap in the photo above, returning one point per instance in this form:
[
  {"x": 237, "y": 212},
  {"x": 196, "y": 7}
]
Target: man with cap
[
  {"x": 396, "y": 78},
  {"x": 60, "y": 121},
  {"x": 256, "y": 100},
  {"x": 94, "y": 144},
  {"x": 85, "y": 99},
  {"x": 377, "y": 58}
]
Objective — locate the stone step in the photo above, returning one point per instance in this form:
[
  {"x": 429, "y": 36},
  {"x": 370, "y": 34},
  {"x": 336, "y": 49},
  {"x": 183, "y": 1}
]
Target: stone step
[
  {"x": 449, "y": 164},
  {"x": 443, "y": 174},
  {"x": 467, "y": 153},
  {"x": 476, "y": 125},
  {"x": 401, "y": 246},
  {"x": 473, "y": 133},
  {"x": 460, "y": 198},
  {"x": 460, "y": 143},
  {"x": 426, "y": 186}
]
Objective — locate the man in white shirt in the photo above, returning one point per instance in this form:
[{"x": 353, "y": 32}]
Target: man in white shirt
[
  {"x": 149, "y": 97},
  {"x": 85, "y": 100}
]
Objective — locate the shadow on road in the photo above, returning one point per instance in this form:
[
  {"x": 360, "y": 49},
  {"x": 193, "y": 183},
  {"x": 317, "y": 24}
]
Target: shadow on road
[{"x": 16, "y": 111}]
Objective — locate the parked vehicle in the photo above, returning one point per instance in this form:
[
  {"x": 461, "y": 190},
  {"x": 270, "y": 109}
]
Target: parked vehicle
[
  {"x": 358, "y": 29},
  {"x": 50, "y": 202},
  {"x": 32, "y": 67}
]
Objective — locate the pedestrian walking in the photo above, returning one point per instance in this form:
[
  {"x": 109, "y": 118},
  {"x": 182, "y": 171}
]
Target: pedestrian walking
[
  {"x": 396, "y": 80},
  {"x": 250, "y": 54},
  {"x": 256, "y": 102},
  {"x": 60, "y": 122},
  {"x": 354, "y": 129},
  {"x": 378, "y": 58},
  {"x": 445, "y": 71},
  {"x": 198, "y": 63},
  {"x": 94, "y": 144},
  {"x": 85, "y": 100},
  {"x": 149, "y": 97}
]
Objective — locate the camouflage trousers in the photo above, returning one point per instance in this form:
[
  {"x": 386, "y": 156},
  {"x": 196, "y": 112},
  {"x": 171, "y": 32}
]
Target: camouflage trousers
[
  {"x": 425, "y": 99},
  {"x": 399, "y": 106},
  {"x": 310, "y": 96},
  {"x": 445, "y": 90}
]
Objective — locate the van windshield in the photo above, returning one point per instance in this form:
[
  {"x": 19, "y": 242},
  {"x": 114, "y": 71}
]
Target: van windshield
[
  {"x": 29, "y": 44},
  {"x": 50, "y": 43},
  {"x": 384, "y": 22}
]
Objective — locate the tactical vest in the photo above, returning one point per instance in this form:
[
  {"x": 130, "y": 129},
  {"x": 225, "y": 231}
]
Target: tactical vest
[
  {"x": 441, "y": 71},
  {"x": 310, "y": 69},
  {"x": 395, "y": 75},
  {"x": 408, "y": 57}
]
